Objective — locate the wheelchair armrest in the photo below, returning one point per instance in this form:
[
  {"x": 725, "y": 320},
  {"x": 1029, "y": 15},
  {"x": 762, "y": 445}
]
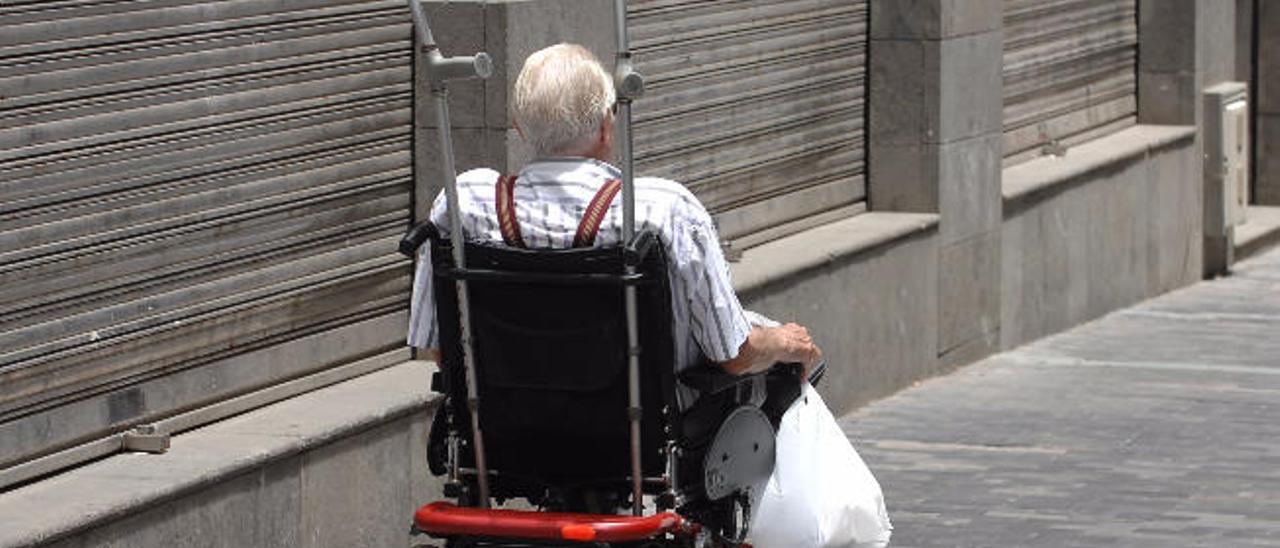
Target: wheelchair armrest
[
  {"x": 718, "y": 395},
  {"x": 416, "y": 236},
  {"x": 710, "y": 379}
]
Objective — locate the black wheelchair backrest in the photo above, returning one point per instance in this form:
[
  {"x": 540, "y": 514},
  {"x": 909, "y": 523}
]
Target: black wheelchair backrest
[{"x": 551, "y": 357}]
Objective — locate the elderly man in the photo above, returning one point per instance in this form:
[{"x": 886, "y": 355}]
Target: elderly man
[
  {"x": 564, "y": 108},
  {"x": 564, "y": 104}
]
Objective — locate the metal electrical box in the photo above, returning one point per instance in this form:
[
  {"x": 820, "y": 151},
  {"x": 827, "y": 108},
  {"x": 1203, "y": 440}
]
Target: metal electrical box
[{"x": 1226, "y": 163}]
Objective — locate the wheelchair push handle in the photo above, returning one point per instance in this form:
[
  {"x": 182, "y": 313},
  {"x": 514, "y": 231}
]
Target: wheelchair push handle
[{"x": 417, "y": 236}]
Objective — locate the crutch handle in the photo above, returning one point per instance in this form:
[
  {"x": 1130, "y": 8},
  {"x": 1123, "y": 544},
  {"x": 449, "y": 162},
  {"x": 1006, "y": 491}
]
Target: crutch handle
[{"x": 441, "y": 69}]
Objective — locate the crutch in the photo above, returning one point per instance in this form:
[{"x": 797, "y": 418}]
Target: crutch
[
  {"x": 630, "y": 86},
  {"x": 439, "y": 70}
]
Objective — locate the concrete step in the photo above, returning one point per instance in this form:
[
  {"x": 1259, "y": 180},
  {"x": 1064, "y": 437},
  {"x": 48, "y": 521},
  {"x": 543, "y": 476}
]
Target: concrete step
[{"x": 1260, "y": 231}]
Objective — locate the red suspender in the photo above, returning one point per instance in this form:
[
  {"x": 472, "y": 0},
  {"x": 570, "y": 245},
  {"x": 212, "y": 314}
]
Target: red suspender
[
  {"x": 587, "y": 228},
  {"x": 591, "y": 219},
  {"x": 506, "y": 206}
]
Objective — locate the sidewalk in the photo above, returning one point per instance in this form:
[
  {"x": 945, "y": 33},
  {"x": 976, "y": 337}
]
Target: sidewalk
[{"x": 1154, "y": 426}]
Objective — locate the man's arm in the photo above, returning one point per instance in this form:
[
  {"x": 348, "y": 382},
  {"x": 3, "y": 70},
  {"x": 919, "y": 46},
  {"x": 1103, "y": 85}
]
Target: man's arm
[
  {"x": 719, "y": 322},
  {"x": 766, "y": 346}
]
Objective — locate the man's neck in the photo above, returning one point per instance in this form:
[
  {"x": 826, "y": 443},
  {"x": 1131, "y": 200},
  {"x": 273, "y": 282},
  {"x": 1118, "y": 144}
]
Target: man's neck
[
  {"x": 600, "y": 152},
  {"x": 573, "y": 158}
]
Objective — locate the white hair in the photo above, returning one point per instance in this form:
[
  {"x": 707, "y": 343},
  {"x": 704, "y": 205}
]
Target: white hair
[{"x": 562, "y": 97}]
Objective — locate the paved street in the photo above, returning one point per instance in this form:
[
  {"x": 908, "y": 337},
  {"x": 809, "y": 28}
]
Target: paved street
[{"x": 1158, "y": 425}]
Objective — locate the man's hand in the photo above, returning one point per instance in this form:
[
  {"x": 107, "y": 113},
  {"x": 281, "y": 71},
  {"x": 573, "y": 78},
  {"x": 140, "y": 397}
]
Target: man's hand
[
  {"x": 794, "y": 345},
  {"x": 765, "y": 346}
]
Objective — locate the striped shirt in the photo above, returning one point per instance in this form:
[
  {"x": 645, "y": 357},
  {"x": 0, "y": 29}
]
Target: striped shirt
[{"x": 550, "y": 198}]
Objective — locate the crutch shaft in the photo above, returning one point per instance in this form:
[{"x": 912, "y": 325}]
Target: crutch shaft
[
  {"x": 439, "y": 70},
  {"x": 629, "y": 85}
]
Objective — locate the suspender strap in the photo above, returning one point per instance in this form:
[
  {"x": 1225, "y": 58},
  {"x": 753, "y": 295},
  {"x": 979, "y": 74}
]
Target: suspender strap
[
  {"x": 506, "y": 206},
  {"x": 591, "y": 219},
  {"x": 588, "y": 227}
]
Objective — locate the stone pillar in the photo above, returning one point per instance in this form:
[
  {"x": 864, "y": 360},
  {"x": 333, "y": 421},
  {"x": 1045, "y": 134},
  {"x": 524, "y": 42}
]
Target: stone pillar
[
  {"x": 1168, "y": 84},
  {"x": 1245, "y": 26},
  {"x": 508, "y": 30},
  {"x": 1267, "y": 132},
  {"x": 1187, "y": 46},
  {"x": 1244, "y": 40},
  {"x": 935, "y": 146}
]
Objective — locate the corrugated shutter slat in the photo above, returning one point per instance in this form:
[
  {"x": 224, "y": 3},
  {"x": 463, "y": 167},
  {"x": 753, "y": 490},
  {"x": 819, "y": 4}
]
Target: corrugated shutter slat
[
  {"x": 1069, "y": 72},
  {"x": 753, "y": 101},
  {"x": 185, "y": 182}
]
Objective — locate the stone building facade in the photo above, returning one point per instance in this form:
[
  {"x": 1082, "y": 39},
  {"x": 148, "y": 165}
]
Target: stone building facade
[{"x": 201, "y": 230}]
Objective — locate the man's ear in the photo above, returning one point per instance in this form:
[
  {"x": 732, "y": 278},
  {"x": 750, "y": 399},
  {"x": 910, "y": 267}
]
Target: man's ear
[
  {"x": 516, "y": 125},
  {"x": 605, "y": 137},
  {"x": 602, "y": 148}
]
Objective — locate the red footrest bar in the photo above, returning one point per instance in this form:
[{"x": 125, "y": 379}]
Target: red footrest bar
[{"x": 445, "y": 519}]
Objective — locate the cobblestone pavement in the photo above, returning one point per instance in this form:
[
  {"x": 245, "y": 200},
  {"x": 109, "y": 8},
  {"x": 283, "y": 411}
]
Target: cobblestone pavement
[{"x": 1158, "y": 425}]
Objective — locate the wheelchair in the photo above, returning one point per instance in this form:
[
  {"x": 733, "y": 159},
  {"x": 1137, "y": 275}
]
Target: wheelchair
[{"x": 552, "y": 389}]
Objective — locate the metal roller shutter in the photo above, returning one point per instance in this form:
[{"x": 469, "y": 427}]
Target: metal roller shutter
[
  {"x": 197, "y": 199},
  {"x": 755, "y": 105},
  {"x": 1069, "y": 72}
]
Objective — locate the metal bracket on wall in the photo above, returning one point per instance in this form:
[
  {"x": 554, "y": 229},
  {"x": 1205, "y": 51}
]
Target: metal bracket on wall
[
  {"x": 146, "y": 439},
  {"x": 1051, "y": 146}
]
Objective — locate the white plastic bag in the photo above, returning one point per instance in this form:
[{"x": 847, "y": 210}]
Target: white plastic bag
[{"x": 821, "y": 494}]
